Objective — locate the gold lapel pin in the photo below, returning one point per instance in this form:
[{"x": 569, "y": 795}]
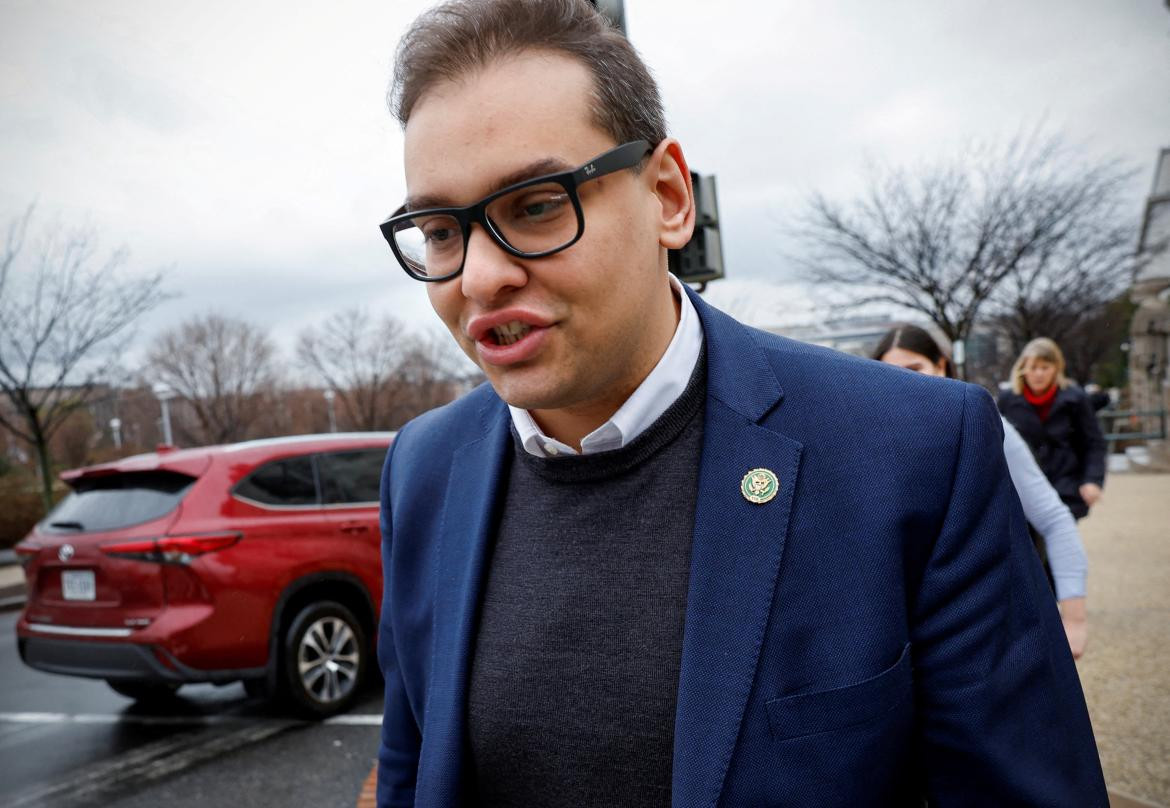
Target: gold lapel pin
[{"x": 759, "y": 486}]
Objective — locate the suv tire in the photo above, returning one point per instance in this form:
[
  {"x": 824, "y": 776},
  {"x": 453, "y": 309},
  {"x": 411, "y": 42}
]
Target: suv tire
[{"x": 325, "y": 659}]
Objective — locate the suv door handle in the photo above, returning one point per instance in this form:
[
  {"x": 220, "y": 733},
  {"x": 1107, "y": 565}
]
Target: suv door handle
[{"x": 355, "y": 527}]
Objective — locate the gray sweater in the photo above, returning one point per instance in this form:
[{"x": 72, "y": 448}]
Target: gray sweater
[{"x": 574, "y": 677}]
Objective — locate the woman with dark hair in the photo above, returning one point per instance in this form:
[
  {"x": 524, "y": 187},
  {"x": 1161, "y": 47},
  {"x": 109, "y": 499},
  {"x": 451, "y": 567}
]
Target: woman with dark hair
[
  {"x": 1056, "y": 419},
  {"x": 913, "y": 348}
]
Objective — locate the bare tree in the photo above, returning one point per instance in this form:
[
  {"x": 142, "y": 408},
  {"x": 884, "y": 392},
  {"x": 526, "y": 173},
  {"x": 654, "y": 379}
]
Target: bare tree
[
  {"x": 66, "y": 317},
  {"x": 359, "y": 359},
  {"x": 1058, "y": 291},
  {"x": 433, "y": 373},
  {"x": 944, "y": 240},
  {"x": 225, "y": 371},
  {"x": 381, "y": 374}
]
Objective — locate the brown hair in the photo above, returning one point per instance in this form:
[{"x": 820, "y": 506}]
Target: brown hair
[
  {"x": 1040, "y": 348},
  {"x": 916, "y": 340},
  {"x": 461, "y": 36}
]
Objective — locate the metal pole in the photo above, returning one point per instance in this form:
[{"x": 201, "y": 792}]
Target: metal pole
[
  {"x": 166, "y": 422},
  {"x": 959, "y": 357},
  {"x": 329, "y": 396},
  {"x": 614, "y": 11}
]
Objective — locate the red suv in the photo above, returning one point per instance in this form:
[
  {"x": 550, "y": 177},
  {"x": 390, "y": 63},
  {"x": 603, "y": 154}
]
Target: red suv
[{"x": 256, "y": 561}]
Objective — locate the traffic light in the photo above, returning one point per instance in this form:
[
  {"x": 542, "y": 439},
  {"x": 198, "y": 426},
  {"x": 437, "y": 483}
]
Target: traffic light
[
  {"x": 614, "y": 11},
  {"x": 701, "y": 260}
]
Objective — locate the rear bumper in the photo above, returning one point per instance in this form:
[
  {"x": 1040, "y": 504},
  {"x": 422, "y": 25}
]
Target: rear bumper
[{"x": 118, "y": 660}]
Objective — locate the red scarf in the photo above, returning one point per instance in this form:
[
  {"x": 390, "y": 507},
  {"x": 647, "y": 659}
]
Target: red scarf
[{"x": 1041, "y": 401}]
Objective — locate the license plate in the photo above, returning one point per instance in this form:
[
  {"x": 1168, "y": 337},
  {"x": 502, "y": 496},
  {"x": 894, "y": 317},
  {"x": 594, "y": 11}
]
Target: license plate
[{"x": 78, "y": 585}]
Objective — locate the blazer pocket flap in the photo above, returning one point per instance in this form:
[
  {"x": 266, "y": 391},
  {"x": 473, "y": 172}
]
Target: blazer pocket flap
[{"x": 826, "y": 710}]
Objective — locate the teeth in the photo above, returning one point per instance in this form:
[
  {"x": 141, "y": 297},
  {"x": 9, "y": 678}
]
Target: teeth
[{"x": 507, "y": 333}]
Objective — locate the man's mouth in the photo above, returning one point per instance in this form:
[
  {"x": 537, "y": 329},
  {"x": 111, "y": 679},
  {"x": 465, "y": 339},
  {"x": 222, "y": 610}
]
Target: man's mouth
[
  {"x": 508, "y": 333},
  {"x": 510, "y": 336}
]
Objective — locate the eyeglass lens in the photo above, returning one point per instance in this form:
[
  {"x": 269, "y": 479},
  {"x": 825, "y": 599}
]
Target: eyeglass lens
[{"x": 532, "y": 219}]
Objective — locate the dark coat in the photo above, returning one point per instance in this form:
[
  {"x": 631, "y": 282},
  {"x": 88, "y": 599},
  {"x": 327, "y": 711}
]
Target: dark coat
[{"x": 1069, "y": 446}]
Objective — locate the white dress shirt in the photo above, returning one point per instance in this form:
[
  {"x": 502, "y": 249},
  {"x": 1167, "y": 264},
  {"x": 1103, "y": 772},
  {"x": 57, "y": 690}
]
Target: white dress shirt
[{"x": 654, "y": 395}]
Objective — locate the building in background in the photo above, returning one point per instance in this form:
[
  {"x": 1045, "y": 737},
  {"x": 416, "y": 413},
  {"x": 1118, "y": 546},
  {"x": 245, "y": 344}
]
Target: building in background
[
  {"x": 854, "y": 335},
  {"x": 1149, "y": 351}
]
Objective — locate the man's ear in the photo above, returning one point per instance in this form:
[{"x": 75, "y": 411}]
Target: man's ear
[{"x": 672, "y": 186}]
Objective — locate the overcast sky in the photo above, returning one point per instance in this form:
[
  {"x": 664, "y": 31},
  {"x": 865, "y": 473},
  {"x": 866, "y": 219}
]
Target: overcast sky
[{"x": 246, "y": 144}]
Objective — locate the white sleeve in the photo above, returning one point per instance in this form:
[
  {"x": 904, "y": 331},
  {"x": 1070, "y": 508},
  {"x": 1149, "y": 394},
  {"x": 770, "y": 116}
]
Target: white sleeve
[{"x": 1048, "y": 515}]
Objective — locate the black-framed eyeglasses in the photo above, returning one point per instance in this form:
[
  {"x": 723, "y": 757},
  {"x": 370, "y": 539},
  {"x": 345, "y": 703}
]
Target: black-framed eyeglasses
[{"x": 530, "y": 219}]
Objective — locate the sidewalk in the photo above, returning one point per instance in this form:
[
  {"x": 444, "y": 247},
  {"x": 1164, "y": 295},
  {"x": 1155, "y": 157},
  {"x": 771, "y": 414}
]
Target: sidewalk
[{"x": 1126, "y": 668}]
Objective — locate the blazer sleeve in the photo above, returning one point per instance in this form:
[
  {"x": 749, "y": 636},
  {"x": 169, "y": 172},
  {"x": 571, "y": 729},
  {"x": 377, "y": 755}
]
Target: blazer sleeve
[
  {"x": 1002, "y": 719},
  {"x": 1093, "y": 443},
  {"x": 401, "y": 739}
]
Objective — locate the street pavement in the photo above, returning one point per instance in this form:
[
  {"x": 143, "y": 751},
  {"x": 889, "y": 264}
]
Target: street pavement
[{"x": 67, "y": 742}]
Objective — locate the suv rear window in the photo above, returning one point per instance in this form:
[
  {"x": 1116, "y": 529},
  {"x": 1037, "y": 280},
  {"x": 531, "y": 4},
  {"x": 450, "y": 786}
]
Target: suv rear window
[{"x": 117, "y": 501}]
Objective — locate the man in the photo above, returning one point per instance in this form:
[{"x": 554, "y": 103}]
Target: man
[{"x": 662, "y": 558}]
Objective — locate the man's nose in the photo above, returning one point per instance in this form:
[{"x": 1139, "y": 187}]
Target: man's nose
[{"x": 488, "y": 271}]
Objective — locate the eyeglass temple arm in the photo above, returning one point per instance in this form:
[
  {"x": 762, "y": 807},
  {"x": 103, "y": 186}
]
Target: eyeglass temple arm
[{"x": 623, "y": 156}]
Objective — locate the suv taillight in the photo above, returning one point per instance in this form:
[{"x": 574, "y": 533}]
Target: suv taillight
[
  {"x": 25, "y": 553},
  {"x": 172, "y": 549}
]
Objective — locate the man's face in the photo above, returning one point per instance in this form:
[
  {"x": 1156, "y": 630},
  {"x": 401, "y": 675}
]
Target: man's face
[{"x": 588, "y": 317}]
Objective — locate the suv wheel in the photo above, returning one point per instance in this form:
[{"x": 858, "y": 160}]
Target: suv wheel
[
  {"x": 146, "y": 692},
  {"x": 324, "y": 658}
]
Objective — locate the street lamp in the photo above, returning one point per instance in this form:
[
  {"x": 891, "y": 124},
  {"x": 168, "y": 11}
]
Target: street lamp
[
  {"x": 959, "y": 357},
  {"x": 165, "y": 394},
  {"x": 329, "y": 396}
]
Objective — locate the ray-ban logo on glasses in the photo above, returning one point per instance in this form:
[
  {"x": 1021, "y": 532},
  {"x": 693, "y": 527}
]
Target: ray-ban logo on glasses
[{"x": 590, "y": 170}]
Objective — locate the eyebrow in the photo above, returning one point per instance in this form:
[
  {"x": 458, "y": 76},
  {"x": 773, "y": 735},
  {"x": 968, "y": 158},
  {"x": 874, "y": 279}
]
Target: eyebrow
[{"x": 548, "y": 165}]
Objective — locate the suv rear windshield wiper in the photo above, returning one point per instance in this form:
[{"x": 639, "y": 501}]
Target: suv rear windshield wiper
[{"x": 69, "y": 525}]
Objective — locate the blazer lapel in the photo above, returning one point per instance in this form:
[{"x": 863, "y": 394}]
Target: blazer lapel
[
  {"x": 474, "y": 490},
  {"x": 735, "y": 558}
]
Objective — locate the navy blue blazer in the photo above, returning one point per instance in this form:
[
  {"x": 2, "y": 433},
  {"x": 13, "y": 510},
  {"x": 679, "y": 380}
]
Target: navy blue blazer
[{"x": 879, "y": 633}]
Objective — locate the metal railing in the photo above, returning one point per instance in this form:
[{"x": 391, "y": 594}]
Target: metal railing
[{"x": 1109, "y": 418}]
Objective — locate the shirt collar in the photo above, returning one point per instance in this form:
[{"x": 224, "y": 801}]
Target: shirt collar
[{"x": 654, "y": 395}]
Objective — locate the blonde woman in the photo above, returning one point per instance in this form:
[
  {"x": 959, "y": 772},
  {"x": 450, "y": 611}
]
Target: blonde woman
[{"x": 1056, "y": 420}]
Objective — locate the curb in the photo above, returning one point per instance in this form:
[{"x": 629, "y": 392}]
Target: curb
[
  {"x": 14, "y": 595},
  {"x": 369, "y": 794},
  {"x": 12, "y": 598}
]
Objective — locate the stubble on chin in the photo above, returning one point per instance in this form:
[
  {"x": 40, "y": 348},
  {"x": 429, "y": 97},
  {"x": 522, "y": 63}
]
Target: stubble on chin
[{"x": 525, "y": 394}]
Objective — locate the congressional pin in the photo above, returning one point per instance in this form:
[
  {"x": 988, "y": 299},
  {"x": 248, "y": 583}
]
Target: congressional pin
[{"x": 759, "y": 486}]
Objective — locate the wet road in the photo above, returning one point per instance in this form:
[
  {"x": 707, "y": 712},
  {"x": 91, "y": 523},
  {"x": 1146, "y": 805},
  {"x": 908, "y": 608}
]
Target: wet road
[{"x": 68, "y": 742}]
